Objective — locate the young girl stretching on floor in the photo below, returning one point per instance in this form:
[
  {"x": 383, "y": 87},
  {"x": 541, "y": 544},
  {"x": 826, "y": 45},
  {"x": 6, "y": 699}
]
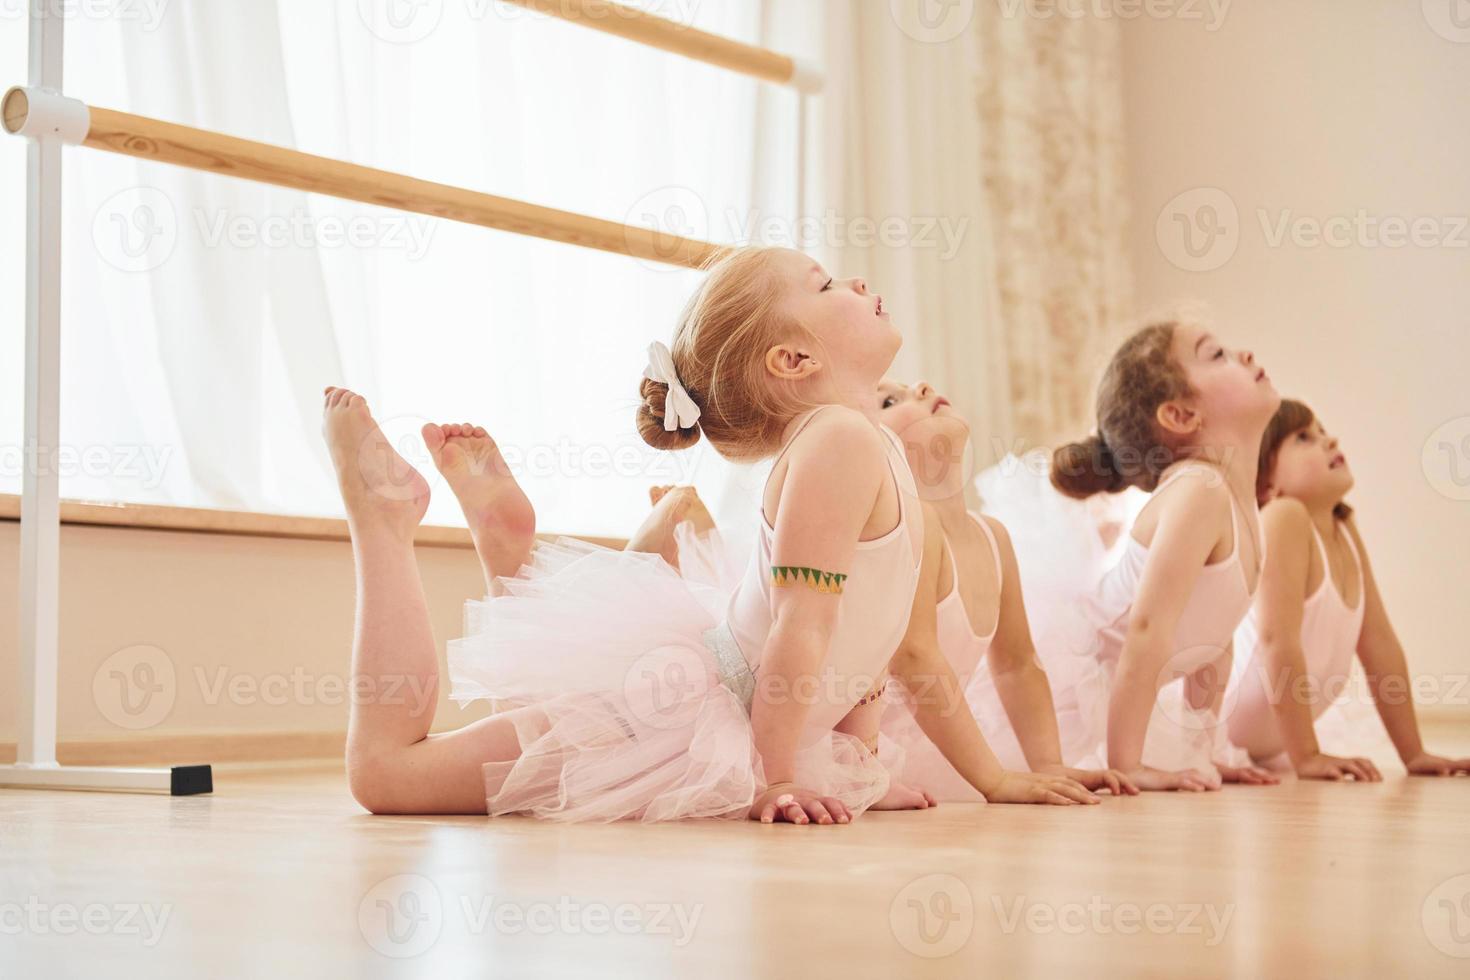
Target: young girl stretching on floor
[
  {"x": 1179, "y": 415},
  {"x": 1318, "y": 603},
  {"x": 968, "y": 608},
  {"x": 623, "y": 695},
  {"x": 976, "y": 618}
]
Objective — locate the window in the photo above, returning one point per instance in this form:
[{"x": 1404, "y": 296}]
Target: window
[{"x": 203, "y": 315}]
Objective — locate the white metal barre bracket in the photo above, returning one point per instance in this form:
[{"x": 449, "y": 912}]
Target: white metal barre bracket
[{"x": 50, "y": 119}]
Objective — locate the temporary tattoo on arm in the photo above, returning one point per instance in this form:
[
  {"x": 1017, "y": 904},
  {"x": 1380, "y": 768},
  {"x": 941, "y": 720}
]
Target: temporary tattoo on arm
[{"x": 828, "y": 582}]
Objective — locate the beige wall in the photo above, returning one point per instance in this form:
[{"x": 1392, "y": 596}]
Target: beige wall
[
  {"x": 272, "y": 617},
  {"x": 1326, "y": 108}
]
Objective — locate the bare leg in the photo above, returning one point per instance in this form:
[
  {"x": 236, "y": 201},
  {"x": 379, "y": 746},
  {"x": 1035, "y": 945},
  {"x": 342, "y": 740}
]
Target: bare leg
[
  {"x": 393, "y": 765},
  {"x": 672, "y": 506},
  {"x": 501, "y": 519}
]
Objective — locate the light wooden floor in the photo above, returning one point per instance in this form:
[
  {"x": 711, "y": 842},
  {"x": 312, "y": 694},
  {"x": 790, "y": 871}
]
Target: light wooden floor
[{"x": 279, "y": 874}]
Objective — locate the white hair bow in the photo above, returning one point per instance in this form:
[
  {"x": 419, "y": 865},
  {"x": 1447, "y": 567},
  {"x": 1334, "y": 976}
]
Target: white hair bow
[{"x": 680, "y": 412}]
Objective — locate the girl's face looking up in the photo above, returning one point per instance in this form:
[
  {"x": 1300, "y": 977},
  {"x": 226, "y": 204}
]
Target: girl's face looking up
[
  {"x": 1311, "y": 468},
  {"x": 936, "y": 438},
  {"x": 854, "y": 336},
  {"x": 1224, "y": 383}
]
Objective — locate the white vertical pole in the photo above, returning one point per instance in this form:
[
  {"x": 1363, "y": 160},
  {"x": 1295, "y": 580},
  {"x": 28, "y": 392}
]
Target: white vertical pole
[{"x": 40, "y": 509}]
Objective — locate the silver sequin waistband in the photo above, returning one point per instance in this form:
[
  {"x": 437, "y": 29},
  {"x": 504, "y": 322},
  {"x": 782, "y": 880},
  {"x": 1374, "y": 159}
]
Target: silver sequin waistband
[{"x": 735, "y": 672}]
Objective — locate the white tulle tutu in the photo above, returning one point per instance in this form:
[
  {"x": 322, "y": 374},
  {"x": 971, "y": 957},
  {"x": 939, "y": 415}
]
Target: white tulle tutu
[
  {"x": 1349, "y": 726},
  {"x": 1064, "y": 548},
  {"x": 631, "y": 712},
  {"x": 717, "y": 560}
]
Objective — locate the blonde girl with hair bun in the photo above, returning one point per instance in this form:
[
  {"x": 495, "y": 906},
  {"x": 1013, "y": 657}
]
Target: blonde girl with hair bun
[{"x": 623, "y": 691}]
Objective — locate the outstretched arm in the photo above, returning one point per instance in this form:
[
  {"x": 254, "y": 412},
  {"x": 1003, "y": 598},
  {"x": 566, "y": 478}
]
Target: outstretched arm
[
  {"x": 1388, "y": 678},
  {"x": 1279, "y": 606},
  {"x": 1022, "y": 685},
  {"x": 939, "y": 706},
  {"x": 1187, "y": 531}
]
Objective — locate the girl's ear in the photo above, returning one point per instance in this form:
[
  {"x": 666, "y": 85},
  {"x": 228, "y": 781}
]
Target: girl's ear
[
  {"x": 788, "y": 363},
  {"x": 1178, "y": 418}
]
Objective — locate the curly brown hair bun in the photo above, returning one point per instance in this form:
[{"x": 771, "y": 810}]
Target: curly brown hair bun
[
  {"x": 1082, "y": 469},
  {"x": 1129, "y": 448},
  {"x": 651, "y": 419}
]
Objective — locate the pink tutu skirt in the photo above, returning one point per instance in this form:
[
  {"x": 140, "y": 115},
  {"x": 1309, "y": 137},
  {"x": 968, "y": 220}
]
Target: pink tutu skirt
[
  {"x": 1063, "y": 548},
  {"x": 633, "y": 697}
]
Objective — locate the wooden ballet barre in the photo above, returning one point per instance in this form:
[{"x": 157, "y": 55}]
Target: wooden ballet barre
[
  {"x": 37, "y": 113},
  {"x": 659, "y": 32}
]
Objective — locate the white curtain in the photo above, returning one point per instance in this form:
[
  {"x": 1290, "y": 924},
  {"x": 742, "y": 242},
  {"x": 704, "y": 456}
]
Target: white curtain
[
  {"x": 906, "y": 152},
  {"x": 992, "y": 143},
  {"x": 966, "y": 160},
  {"x": 204, "y": 315}
]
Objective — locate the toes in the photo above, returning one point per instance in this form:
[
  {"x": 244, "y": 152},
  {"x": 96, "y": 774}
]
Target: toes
[
  {"x": 343, "y": 398},
  {"x": 434, "y": 436}
]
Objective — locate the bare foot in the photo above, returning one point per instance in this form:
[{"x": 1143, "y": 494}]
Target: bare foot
[
  {"x": 502, "y": 521},
  {"x": 381, "y": 491},
  {"x": 672, "y": 506},
  {"x": 901, "y": 797}
]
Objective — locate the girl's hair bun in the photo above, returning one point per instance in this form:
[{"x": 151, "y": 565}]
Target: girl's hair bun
[
  {"x": 1083, "y": 469},
  {"x": 651, "y": 419}
]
